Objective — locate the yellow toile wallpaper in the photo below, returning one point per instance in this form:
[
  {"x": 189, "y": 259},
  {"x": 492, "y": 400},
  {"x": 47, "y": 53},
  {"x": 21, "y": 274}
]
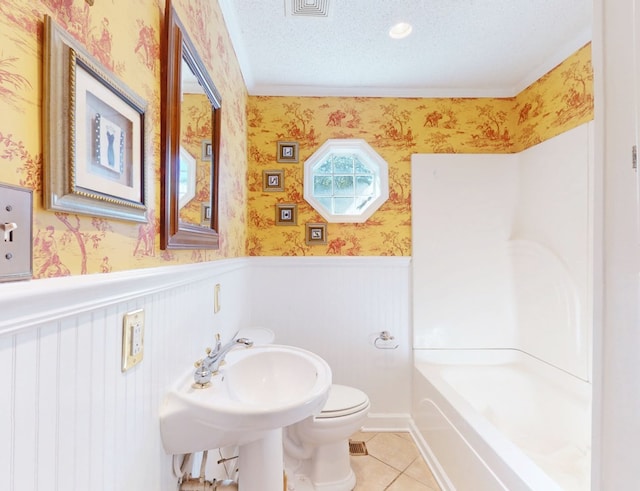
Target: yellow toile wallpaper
[
  {"x": 125, "y": 37},
  {"x": 396, "y": 128}
]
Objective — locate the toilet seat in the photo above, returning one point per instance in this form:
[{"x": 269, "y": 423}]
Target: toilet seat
[{"x": 343, "y": 401}]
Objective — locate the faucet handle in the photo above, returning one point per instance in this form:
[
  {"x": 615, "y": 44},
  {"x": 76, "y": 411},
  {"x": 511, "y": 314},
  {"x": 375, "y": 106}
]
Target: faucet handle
[
  {"x": 207, "y": 351},
  {"x": 202, "y": 376}
]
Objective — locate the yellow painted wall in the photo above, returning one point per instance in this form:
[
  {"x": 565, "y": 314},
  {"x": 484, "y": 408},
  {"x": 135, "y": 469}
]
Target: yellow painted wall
[
  {"x": 396, "y": 128},
  {"x": 124, "y": 35}
]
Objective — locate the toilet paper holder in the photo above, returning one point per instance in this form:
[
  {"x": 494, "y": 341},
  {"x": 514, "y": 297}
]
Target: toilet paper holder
[{"x": 381, "y": 341}]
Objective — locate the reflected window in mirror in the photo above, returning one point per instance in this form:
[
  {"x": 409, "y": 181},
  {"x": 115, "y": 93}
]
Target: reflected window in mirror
[
  {"x": 186, "y": 180},
  {"x": 190, "y": 144}
]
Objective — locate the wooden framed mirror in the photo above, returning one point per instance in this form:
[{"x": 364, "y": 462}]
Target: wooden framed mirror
[{"x": 190, "y": 134}]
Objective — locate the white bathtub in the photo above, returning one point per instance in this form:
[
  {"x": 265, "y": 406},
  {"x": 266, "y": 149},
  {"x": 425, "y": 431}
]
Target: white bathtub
[{"x": 501, "y": 420}]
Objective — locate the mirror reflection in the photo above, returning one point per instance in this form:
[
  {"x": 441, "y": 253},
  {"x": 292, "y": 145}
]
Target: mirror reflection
[
  {"x": 186, "y": 179},
  {"x": 196, "y": 128}
]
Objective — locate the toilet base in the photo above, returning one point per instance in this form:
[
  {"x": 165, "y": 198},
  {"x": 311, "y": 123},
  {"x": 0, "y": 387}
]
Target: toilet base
[
  {"x": 331, "y": 467},
  {"x": 327, "y": 469},
  {"x": 347, "y": 484},
  {"x": 303, "y": 483},
  {"x": 299, "y": 483},
  {"x": 317, "y": 448}
]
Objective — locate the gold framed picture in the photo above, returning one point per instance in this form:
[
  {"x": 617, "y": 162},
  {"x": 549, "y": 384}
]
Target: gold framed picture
[
  {"x": 205, "y": 214},
  {"x": 272, "y": 180},
  {"x": 286, "y": 214},
  {"x": 207, "y": 150},
  {"x": 287, "y": 152},
  {"x": 315, "y": 233}
]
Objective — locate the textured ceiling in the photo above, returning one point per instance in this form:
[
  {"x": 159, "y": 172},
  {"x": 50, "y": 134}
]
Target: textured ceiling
[{"x": 458, "y": 48}]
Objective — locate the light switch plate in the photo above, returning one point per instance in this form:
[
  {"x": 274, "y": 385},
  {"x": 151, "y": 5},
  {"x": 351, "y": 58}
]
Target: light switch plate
[
  {"x": 16, "y": 236},
  {"x": 216, "y": 298},
  {"x": 132, "y": 339}
]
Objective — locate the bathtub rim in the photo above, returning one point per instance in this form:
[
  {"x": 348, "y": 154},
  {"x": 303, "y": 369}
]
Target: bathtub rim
[{"x": 507, "y": 462}]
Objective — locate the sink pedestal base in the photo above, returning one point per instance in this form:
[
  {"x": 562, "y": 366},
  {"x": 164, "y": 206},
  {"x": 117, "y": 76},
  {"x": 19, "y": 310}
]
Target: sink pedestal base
[{"x": 260, "y": 464}]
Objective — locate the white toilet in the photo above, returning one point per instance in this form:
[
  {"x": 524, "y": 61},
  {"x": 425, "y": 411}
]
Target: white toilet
[{"x": 316, "y": 450}]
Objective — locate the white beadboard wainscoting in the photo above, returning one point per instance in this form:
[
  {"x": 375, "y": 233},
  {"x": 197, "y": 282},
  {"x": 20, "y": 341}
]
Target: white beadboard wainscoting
[
  {"x": 336, "y": 307},
  {"x": 71, "y": 420}
]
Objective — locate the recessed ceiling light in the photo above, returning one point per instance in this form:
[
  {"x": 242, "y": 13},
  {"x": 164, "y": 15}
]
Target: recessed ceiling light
[{"x": 400, "y": 30}]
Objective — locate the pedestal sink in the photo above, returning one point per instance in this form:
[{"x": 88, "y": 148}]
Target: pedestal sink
[{"x": 255, "y": 394}]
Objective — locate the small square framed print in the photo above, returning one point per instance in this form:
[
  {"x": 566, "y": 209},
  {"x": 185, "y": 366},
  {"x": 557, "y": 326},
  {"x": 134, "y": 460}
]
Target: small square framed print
[
  {"x": 287, "y": 152},
  {"x": 316, "y": 233},
  {"x": 286, "y": 214},
  {"x": 273, "y": 180},
  {"x": 207, "y": 150},
  {"x": 205, "y": 214}
]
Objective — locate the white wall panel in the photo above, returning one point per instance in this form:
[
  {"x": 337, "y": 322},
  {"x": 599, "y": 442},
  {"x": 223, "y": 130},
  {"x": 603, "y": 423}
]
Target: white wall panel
[
  {"x": 7, "y": 427},
  {"x": 97, "y": 390},
  {"x": 84, "y": 410},
  {"x": 45, "y": 453},
  {"x": 554, "y": 211},
  {"x": 71, "y": 420},
  {"x": 336, "y": 307},
  {"x": 65, "y": 403},
  {"x": 26, "y": 401},
  {"x": 463, "y": 208},
  {"x": 501, "y": 254}
]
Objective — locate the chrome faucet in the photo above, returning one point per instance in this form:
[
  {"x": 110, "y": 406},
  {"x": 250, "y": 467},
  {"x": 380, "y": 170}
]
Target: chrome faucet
[
  {"x": 209, "y": 366},
  {"x": 216, "y": 357}
]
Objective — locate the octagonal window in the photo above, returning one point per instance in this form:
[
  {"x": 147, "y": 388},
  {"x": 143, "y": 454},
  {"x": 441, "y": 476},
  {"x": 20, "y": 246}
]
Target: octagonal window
[{"x": 346, "y": 180}]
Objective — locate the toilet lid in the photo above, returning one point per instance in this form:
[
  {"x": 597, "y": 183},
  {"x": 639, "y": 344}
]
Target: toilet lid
[{"x": 343, "y": 401}]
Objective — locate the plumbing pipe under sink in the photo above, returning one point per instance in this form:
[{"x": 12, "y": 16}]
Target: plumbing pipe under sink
[{"x": 200, "y": 483}]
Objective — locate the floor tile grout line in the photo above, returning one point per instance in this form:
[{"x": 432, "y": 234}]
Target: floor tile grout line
[
  {"x": 398, "y": 473},
  {"x": 394, "y": 480}
]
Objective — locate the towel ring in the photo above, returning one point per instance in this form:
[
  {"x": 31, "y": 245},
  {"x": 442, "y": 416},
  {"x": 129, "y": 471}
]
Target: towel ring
[{"x": 383, "y": 337}]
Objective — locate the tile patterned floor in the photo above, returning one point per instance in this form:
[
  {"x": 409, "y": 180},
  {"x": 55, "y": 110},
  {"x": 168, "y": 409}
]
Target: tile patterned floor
[{"x": 393, "y": 464}]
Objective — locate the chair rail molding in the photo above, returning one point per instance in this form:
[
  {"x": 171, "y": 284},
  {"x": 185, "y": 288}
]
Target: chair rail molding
[{"x": 25, "y": 304}]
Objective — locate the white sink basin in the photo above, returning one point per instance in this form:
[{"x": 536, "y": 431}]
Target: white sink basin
[{"x": 258, "y": 390}]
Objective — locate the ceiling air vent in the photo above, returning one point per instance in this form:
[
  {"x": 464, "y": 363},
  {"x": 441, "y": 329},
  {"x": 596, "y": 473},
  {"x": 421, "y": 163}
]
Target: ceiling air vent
[{"x": 309, "y": 8}]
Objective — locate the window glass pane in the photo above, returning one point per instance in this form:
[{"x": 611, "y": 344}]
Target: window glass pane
[
  {"x": 361, "y": 167},
  {"x": 364, "y": 185},
  {"x": 324, "y": 167},
  {"x": 327, "y": 203},
  {"x": 343, "y": 206},
  {"x": 343, "y": 186},
  {"x": 183, "y": 187},
  {"x": 343, "y": 164},
  {"x": 361, "y": 203},
  {"x": 322, "y": 186}
]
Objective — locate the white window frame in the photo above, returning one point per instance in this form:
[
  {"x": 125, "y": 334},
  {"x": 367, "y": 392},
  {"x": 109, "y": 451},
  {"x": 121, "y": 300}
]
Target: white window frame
[{"x": 369, "y": 157}]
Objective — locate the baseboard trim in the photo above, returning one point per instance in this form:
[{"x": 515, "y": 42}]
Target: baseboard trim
[{"x": 380, "y": 422}]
